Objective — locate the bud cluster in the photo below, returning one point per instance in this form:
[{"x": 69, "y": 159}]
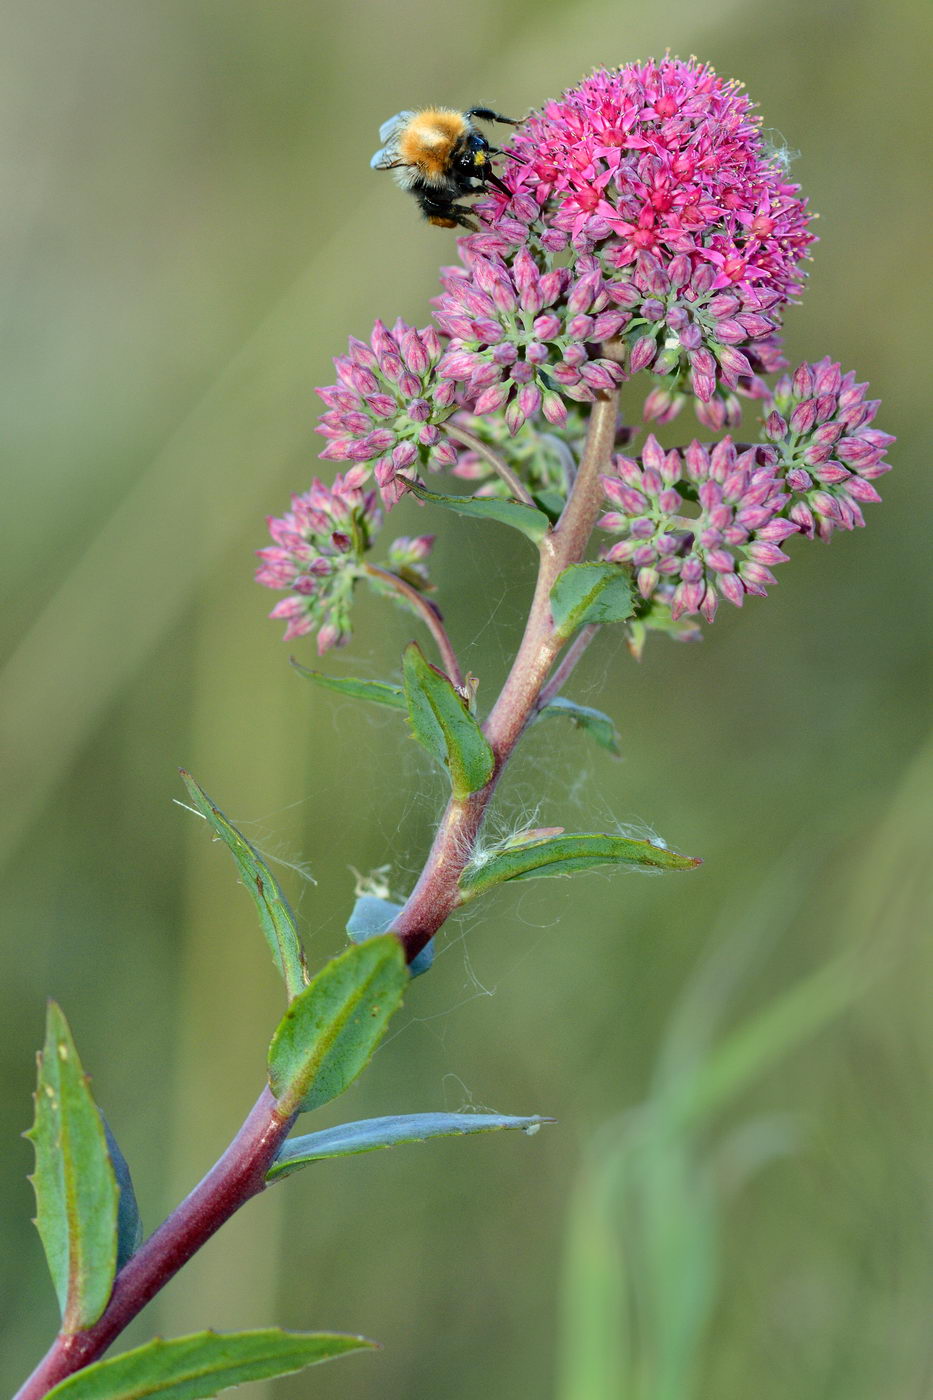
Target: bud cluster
[
  {"x": 523, "y": 340},
  {"x": 387, "y": 407},
  {"x": 317, "y": 556},
  {"x": 821, "y": 426}
]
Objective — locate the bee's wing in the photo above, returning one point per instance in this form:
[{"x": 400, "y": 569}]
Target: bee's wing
[
  {"x": 394, "y": 125},
  {"x": 385, "y": 159}
]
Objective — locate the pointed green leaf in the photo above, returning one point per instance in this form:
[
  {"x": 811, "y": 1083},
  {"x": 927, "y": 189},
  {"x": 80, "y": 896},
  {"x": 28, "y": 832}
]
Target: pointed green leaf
[
  {"x": 599, "y": 726},
  {"x": 330, "y": 1031},
  {"x": 129, "y": 1225},
  {"x": 372, "y": 1133},
  {"x": 379, "y": 692},
  {"x": 531, "y": 522},
  {"x": 442, "y": 723},
  {"x": 76, "y": 1191},
  {"x": 562, "y": 855},
  {"x": 197, "y": 1367},
  {"x": 275, "y": 917},
  {"x": 595, "y": 592},
  {"x": 372, "y": 916}
]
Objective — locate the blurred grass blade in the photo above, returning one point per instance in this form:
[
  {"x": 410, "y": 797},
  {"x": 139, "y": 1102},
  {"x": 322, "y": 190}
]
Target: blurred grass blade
[
  {"x": 330, "y": 1031},
  {"x": 563, "y": 855},
  {"x": 275, "y": 916},
  {"x": 129, "y": 1225},
  {"x": 378, "y": 692},
  {"x": 762, "y": 1040},
  {"x": 599, "y": 726},
  {"x": 370, "y": 1134},
  {"x": 197, "y": 1367},
  {"x": 595, "y": 1352},
  {"x": 77, "y": 1197},
  {"x": 589, "y": 593},
  {"x": 442, "y": 723}
]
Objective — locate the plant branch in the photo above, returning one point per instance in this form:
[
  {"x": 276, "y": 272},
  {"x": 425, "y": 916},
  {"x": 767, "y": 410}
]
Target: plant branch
[
  {"x": 482, "y": 449},
  {"x": 234, "y": 1179},
  {"x": 566, "y": 666},
  {"x": 437, "y": 893},
  {"x": 239, "y": 1174},
  {"x": 429, "y": 614}
]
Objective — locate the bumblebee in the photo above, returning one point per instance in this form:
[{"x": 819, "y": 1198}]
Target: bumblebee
[{"x": 439, "y": 156}]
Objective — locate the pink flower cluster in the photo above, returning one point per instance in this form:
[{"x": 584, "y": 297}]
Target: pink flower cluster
[
  {"x": 829, "y": 453},
  {"x": 723, "y": 548},
  {"x": 708, "y": 522},
  {"x": 387, "y": 407},
  {"x": 317, "y": 553},
  {"x": 659, "y": 170},
  {"x": 522, "y": 339}
]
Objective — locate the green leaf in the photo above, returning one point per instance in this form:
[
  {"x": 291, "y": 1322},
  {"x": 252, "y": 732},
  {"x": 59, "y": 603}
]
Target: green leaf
[
  {"x": 197, "y": 1367},
  {"x": 599, "y": 726},
  {"x": 531, "y": 522},
  {"x": 372, "y": 916},
  {"x": 379, "y": 692},
  {"x": 275, "y": 917},
  {"x": 330, "y": 1031},
  {"x": 129, "y": 1225},
  {"x": 372, "y": 1133},
  {"x": 442, "y": 723},
  {"x": 562, "y": 855},
  {"x": 595, "y": 592},
  {"x": 76, "y": 1192}
]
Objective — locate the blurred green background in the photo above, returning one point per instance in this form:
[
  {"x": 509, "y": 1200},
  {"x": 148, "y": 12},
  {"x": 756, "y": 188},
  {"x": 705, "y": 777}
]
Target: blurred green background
[{"x": 191, "y": 230}]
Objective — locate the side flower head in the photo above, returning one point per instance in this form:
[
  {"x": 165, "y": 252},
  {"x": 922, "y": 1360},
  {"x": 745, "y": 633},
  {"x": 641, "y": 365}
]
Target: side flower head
[
  {"x": 317, "y": 556},
  {"x": 387, "y": 407},
  {"x": 703, "y": 525},
  {"x": 820, "y": 424}
]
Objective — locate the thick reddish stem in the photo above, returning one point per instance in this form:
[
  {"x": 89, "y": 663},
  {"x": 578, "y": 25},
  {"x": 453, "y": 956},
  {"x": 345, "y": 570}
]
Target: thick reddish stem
[{"x": 437, "y": 892}]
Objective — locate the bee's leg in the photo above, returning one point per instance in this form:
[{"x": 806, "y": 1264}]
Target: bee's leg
[
  {"x": 443, "y": 212},
  {"x": 486, "y": 114}
]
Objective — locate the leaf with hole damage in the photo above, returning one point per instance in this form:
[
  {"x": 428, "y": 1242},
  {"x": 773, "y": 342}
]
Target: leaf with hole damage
[
  {"x": 372, "y": 1133},
  {"x": 197, "y": 1367},
  {"x": 599, "y": 726},
  {"x": 275, "y": 917},
  {"x": 531, "y": 522},
  {"x": 330, "y": 1031},
  {"x": 591, "y": 593},
  {"x": 564, "y": 855},
  {"x": 441, "y": 722},
  {"x": 77, "y": 1196},
  {"x": 378, "y": 692}
]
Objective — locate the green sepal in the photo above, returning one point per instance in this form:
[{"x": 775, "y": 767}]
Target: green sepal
[
  {"x": 275, "y": 916},
  {"x": 441, "y": 722},
  {"x": 563, "y": 855},
  {"x": 372, "y": 1133},
  {"x": 129, "y": 1225},
  {"x": 77, "y": 1197},
  {"x": 372, "y": 916},
  {"x": 599, "y": 726},
  {"x": 531, "y": 522},
  {"x": 590, "y": 593},
  {"x": 197, "y": 1367},
  {"x": 330, "y": 1031}
]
